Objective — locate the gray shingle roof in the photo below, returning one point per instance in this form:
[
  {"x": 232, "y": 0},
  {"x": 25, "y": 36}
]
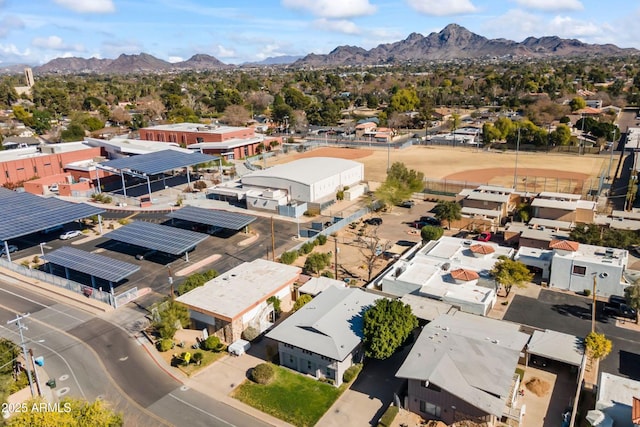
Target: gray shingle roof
[
  {"x": 329, "y": 325},
  {"x": 470, "y": 356}
]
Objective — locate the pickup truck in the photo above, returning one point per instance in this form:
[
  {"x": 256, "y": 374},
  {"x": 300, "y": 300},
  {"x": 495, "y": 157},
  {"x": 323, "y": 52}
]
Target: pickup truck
[{"x": 617, "y": 306}]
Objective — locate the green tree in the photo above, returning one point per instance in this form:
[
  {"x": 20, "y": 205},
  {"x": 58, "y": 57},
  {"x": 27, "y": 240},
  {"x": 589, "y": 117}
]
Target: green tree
[
  {"x": 561, "y": 135},
  {"x": 577, "y": 103},
  {"x": 173, "y": 316},
  {"x": 73, "y": 413},
  {"x": 387, "y": 324},
  {"x": 589, "y": 234},
  {"x": 400, "y": 184},
  {"x": 74, "y": 132},
  {"x": 301, "y": 301},
  {"x": 597, "y": 345},
  {"x": 404, "y": 100},
  {"x": 509, "y": 273},
  {"x": 276, "y": 304},
  {"x": 431, "y": 232},
  {"x": 447, "y": 211},
  {"x": 196, "y": 280},
  {"x": 632, "y": 294},
  {"x": 317, "y": 261}
]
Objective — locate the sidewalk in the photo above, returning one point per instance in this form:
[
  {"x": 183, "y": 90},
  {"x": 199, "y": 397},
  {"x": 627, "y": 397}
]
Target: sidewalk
[
  {"x": 218, "y": 380},
  {"x": 57, "y": 293}
]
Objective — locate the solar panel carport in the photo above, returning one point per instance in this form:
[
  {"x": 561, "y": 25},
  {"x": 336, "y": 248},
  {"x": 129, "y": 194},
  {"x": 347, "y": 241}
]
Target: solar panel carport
[
  {"x": 212, "y": 217},
  {"x": 94, "y": 265},
  {"x": 162, "y": 238},
  {"x": 145, "y": 165},
  {"x": 25, "y": 213}
]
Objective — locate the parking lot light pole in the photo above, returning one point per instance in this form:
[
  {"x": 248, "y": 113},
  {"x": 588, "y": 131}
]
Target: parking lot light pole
[{"x": 593, "y": 305}]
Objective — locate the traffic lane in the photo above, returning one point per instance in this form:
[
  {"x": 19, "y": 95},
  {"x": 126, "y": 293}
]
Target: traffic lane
[
  {"x": 571, "y": 314},
  {"x": 76, "y": 370},
  {"x": 126, "y": 361},
  {"x": 186, "y": 406}
]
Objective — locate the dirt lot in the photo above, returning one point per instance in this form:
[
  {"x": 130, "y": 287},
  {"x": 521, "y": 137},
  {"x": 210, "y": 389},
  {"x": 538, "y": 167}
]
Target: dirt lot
[{"x": 465, "y": 164}]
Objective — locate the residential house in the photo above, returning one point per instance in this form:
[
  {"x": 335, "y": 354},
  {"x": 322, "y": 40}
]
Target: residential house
[
  {"x": 618, "y": 399},
  {"x": 562, "y": 207},
  {"x": 463, "y": 367},
  {"x": 324, "y": 338},
  {"x": 237, "y": 299},
  {"x": 455, "y": 271},
  {"x": 575, "y": 266},
  {"x": 488, "y": 203},
  {"x": 534, "y": 234}
]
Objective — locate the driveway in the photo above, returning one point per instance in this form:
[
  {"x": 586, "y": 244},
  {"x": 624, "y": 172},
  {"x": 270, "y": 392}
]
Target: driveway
[
  {"x": 369, "y": 396},
  {"x": 571, "y": 314}
]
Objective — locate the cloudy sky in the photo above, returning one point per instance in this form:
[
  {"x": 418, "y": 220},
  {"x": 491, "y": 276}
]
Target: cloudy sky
[{"x": 236, "y": 31}]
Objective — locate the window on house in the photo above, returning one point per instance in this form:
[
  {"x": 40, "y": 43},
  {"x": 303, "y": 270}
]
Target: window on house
[
  {"x": 308, "y": 364},
  {"x": 429, "y": 408},
  {"x": 291, "y": 359},
  {"x": 579, "y": 270},
  {"x": 35, "y": 169},
  {"x": 329, "y": 373},
  {"x": 6, "y": 173},
  {"x": 199, "y": 140}
]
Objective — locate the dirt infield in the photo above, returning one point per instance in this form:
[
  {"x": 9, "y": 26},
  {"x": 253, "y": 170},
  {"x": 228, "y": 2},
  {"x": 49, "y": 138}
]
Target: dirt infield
[{"x": 469, "y": 164}]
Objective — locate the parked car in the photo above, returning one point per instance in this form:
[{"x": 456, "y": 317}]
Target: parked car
[
  {"x": 419, "y": 224},
  {"x": 407, "y": 204},
  {"x": 70, "y": 234},
  {"x": 485, "y": 236},
  {"x": 429, "y": 220},
  {"x": 12, "y": 249},
  {"x": 617, "y": 306},
  {"x": 373, "y": 221}
]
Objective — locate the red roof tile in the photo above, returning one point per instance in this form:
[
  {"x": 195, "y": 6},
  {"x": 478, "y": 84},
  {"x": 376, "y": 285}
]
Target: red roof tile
[
  {"x": 635, "y": 411},
  {"x": 564, "y": 245},
  {"x": 466, "y": 275},
  {"x": 482, "y": 249}
]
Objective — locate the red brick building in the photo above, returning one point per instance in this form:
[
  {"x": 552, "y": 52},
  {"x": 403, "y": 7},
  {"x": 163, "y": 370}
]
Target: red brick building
[
  {"x": 227, "y": 141},
  {"x": 17, "y": 166}
]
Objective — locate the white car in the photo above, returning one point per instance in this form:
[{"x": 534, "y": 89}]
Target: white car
[
  {"x": 70, "y": 234},
  {"x": 12, "y": 249}
]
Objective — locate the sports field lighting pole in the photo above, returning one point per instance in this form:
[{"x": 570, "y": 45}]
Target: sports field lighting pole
[
  {"x": 18, "y": 322},
  {"x": 613, "y": 133},
  {"x": 515, "y": 170}
]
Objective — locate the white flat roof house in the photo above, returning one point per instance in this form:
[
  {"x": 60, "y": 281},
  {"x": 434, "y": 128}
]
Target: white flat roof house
[
  {"x": 616, "y": 396},
  {"x": 452, "y": 270},
  {"x": 235, "y": 300}
]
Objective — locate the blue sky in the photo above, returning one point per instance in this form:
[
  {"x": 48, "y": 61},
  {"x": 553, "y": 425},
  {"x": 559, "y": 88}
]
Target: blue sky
[{"x": 236, "y": 31}]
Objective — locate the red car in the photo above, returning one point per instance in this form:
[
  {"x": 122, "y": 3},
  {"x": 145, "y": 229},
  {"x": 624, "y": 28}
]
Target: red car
[{"x": 485, "y": 236}]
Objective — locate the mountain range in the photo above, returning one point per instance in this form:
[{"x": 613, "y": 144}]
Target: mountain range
[{"x": 453, "y": 42}]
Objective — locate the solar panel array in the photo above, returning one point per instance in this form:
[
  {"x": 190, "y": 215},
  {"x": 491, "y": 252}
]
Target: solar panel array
[
  {"x": 216, "y": 218},
  {"x": 106, "y": 268},
  {"x": 160, "y": 161},
  {"x": 25, "y": 213},
  {"x": 162, "y": 238}
]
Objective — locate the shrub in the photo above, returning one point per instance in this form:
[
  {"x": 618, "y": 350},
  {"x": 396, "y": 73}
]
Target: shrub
[
  {"x": 321, "y": 239},
  {"x": 211, "y": 343},
  {"x": 250, "y": 333},
  {"x": 340, "y": 195},
  {"x": 200, "y": 185},
  {"x": 389, "y": 415},
  {"x": 123, "y": 221},
  {"x": 328, "y": 274},
  {"x": 164, "y": 344},
  {"x": 351, "y": 373},
  {"x": 197, "y": 357},
  {"x": 587, "y": 292},
  {"x": 307, "y": 248},
  {"x": 301, "y": 301},
  {"x": 289, "y": 257},
  {"x": 276, "y": 304},
  {"x": 263, "y": 373}
]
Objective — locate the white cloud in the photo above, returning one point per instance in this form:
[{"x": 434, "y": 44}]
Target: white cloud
[
  {"x": 8, "y": 23},
  {"x": 114, "y": 48},
  {"x": 551, "y": 5},
  {"x": 565, "y": 26},
  {"x": 340, "y": 26},
  {"x": 334, "y": 9},
  {"x": 55, "y": 43},
  {"x": 12, "y": 50},
  {"x": 88, "y": 6},
  {"x": 174, "y": 59},
  {"x": 222, "y": 52},
  {"x": 442, "y": 8}
]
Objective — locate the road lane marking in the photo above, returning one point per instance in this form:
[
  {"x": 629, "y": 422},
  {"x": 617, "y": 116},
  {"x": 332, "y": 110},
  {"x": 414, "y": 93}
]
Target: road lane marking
[
  {"x": 201, "y": 410},
  {"x": 43, "y": 305}
]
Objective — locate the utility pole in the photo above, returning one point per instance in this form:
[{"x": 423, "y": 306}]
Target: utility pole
[
  {"x": 335, "y": 256},
  {"x": 593, "y": 305},
  {"x": 18, "y": 322},
  {"x": 172, "y": 294},
  {"x": 35, "y": 371},
  {"x": 273, "y": 241}
]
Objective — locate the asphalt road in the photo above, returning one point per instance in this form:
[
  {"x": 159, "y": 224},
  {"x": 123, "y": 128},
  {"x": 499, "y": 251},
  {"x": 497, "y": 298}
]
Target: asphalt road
[
  {"x": 571, "y": 314},
  {"x": 93, "y": 358}
]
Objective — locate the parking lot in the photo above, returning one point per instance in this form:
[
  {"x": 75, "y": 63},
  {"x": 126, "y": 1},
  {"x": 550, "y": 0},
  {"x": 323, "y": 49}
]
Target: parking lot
[
  {"x": 571, "y": 314},
  {"x": 153, "y": 271}
]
